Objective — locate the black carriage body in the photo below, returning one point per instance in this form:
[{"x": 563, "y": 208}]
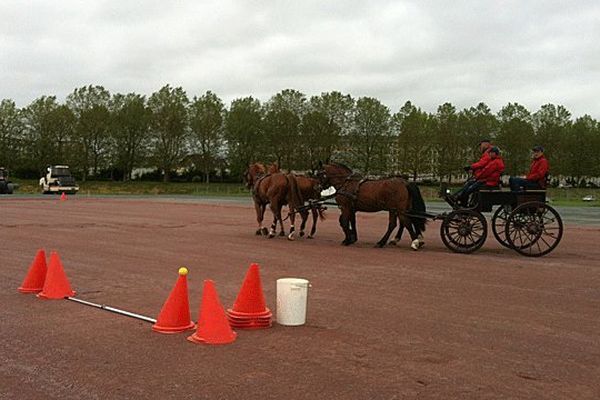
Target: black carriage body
[
  {"x": 522, "y": 222},
  {"x": 487, "y": 199}
]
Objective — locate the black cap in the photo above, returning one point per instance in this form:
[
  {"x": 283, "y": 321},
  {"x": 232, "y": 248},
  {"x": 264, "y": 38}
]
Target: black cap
[
  {"x": 495, "y": 150},
  {"x": 485, "y": 141},
  {"x": 538, "y": 148}
]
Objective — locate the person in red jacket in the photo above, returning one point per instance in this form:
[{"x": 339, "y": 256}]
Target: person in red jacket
[
  {"x": 486, "y": 176},
  {"x": 538, "y": 172},
  {"x": 484, "y": 146}
]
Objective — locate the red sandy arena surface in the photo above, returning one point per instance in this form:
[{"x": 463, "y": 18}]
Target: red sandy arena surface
[{"x": 383, "y": 323}]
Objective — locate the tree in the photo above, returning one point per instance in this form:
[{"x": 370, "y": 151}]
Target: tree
[
  {"x": 11, "y": 129},
  {"x": 327, "y": 121},
  {"x": 243, "y": 133},
  {"x": 448, "y": 146},
  {"x": 551, "y": 126},
  {"x": 130, "y": 127},
  {"x": 206, "y": 115},
  {"x": 48, "y": 134},
  {"x": 369, "y": 141},
  {"x": 90, "y": 106},
  {"x": 283, "y": 114},
  {"x": 581, "y": 149},
  {"x": 474, "y": 125},
  {"x": 515, "y": 138},
  {"x": 169, "y": 127},
  {"x": 413, "y": 131}
]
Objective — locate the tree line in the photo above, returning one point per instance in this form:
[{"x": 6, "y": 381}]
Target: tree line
[{"x": 104, "y": 135}]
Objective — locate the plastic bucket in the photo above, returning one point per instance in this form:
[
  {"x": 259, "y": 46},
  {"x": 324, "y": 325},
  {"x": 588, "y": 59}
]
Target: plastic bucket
[{"x": 292, "y": 297}]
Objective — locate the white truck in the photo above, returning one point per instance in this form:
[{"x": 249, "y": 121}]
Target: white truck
[{"x": 58, "y": 179}]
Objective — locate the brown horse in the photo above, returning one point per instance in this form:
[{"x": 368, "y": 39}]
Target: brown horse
[
  {"x": 302, "y": 188},
  {"x": 354, "y": 193},
  {"x": 269, "y": 186}
]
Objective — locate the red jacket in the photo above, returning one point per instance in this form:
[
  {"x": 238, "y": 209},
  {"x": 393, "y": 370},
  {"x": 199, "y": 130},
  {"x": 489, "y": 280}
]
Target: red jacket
[
  {"x": 537, "y": 172},
  {"x": 490, "y": 174},
  {"x": 485, "y": 158}
]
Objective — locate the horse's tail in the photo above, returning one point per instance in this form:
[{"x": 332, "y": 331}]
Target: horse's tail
[
  {"x": 295, "y": 199},
  {"x": 417, "y": 207}
]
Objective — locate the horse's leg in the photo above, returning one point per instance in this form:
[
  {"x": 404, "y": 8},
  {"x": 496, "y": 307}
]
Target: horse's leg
[
  {"x": 399, "y": 233},
  {"x": 414, "y": 244},
  {"x": 282, "y": 231},
  {"x": 260, "y": 213},
  {"x": 273, "y": 231},
  {"x": 292, "y": 217},
  {"x": 304, "y": 217},
  {"x": 313, "y": 229},
  {"x": 353, "y": 229},
  {"x": 390, "y": 229},
  {"x": 345, "y": 224}
]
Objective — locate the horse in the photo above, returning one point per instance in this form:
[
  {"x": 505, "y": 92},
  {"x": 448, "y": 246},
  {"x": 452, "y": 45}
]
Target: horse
[
  {"x": 269, "y": 186},
  {"x": 302, "y": 188},
  {"x": 395, "y": 195}
]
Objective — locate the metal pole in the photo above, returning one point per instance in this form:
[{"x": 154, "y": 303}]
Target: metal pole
[{"x": 112, "y": 309}]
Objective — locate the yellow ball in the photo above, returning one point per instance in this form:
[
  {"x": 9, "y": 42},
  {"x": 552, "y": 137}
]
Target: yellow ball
[{"x": 183, "y": 271}]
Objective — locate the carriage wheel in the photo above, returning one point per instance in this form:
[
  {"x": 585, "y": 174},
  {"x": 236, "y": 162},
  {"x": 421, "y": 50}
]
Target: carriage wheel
[
  {"x": 464, "y": 231},
  {"x": 534, "y": 229},
  {"x": 499, "y": 226}
]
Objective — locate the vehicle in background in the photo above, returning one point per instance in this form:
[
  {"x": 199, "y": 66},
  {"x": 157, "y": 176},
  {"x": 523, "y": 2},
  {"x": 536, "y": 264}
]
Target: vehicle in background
[
  {"x": 58, "y": 179},
  {"x": 6, "y": 186},
  {"x": 589, "y": 197}
]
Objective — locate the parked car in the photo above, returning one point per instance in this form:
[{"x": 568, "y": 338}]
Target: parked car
[
  {"x": 58, "y": 179},
  {"x": 589, "y": 197}
]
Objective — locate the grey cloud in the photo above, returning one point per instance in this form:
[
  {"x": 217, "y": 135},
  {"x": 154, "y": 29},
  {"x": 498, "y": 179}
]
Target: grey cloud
[{"x": 430, "y": 52}]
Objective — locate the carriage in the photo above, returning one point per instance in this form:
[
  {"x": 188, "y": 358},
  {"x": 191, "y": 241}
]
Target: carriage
[{"x": 522, "y": 221}]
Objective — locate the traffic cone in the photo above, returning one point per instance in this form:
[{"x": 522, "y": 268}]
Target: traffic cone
[
  {"x": 63, "y": 196},
  {"x": 56, "y": 285},
  {"x": 251, "y": 299},
  {"x": 34, "y": 281},
  {"x": 174, "y": 316},
  {"x": 249, "y": 310},
  {"x": 213, "y": 327}
]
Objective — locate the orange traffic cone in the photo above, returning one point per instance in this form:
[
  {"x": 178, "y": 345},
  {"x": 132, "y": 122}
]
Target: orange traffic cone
[
  {"x": 56, "y": 285},
  {"x": 63, "y": 196},
  {"x": 251, "y": 299},
  {"x": 174, "y": 316},
  {"x": 213, "y": 327},
  {"x": 249, "y": 310},
  {"x": 34, "y": 281}
]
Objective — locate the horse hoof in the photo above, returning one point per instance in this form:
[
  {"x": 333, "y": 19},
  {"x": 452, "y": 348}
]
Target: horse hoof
[
  {"x": 291, "y": 237},
  {"x": 393, "y": 243},
  {"x": 259, "y": 232},
  {"x": 415, "y": 245},
  {"x": 379, "y": 245},
  {"x": 310, "y": 237},
  {"x": 301, "y": 234},
  {"x": 421, "y": 243},
  {"x": 265, "y": 231},
  {"x": 282, "y": 233}
]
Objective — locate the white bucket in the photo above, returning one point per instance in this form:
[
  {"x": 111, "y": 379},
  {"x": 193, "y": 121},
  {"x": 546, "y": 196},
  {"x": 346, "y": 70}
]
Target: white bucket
[{"x": 292, "y": 297}]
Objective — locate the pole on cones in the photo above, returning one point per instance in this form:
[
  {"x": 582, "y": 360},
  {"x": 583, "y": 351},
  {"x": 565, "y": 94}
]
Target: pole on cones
[
  {"x": 56, "y": 285},
  {"x": 213, "y": 327},
  {"x": 34, "y": 280},
  {"x": 174, "y": 316}
]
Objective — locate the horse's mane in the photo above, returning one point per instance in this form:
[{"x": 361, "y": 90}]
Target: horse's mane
[{"x": 339, "y": 164}]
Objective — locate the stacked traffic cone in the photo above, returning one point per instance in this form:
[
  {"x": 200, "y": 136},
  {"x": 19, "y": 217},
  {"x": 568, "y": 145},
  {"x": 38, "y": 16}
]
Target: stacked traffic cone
[
  {"x": 56, "y": 285},
  {"x": 213, "y": 327},
  {"x": 249, "y": 310},
  {"x": 34, "y": 281},
  {"x": 174, "y": 316},
  {"x": 63, "y": 196}
]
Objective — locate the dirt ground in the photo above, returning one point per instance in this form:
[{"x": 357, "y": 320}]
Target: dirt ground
[{"x": 382, "y": 323}]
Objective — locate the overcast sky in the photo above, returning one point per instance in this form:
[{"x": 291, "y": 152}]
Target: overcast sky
[{"x": 429, "y": 52}]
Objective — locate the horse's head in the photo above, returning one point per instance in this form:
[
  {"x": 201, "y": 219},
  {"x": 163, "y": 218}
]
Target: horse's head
[
  {"x": 273, "y": 168},
  {"x": 333, "y": 174},
  {"x": 252, "y": 172}
]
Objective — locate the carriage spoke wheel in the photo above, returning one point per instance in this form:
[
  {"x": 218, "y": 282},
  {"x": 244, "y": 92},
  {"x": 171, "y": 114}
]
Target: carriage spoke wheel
[
  {"x": 464, "y": 231},
  {"x": 499, "y": 226},
  {"x": 534, "y": 229}
]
